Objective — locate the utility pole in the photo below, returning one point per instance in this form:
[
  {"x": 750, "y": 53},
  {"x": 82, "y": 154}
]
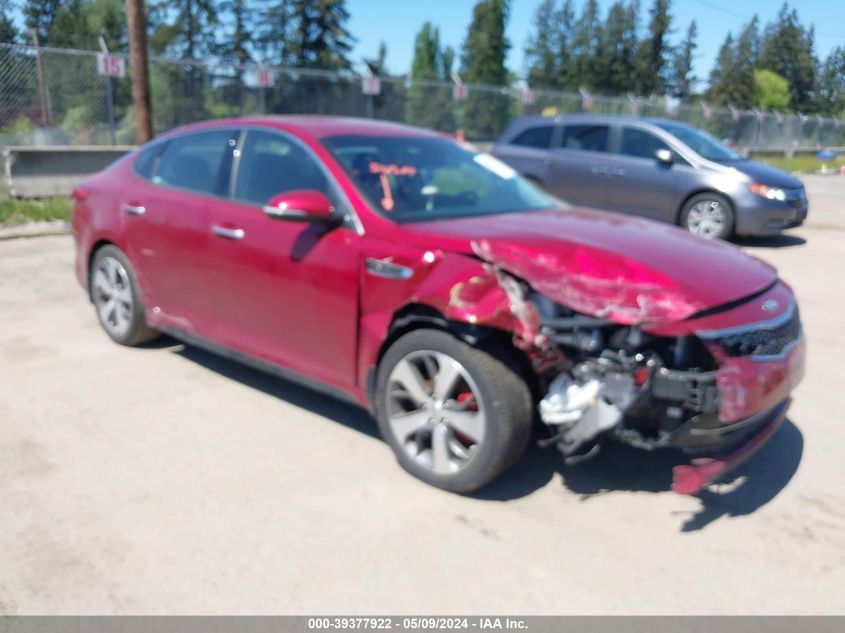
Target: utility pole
[
  {"x": 136, "y": 22},
  {"x": 42, "y": 84}
]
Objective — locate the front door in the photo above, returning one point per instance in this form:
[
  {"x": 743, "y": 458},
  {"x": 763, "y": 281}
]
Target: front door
[
  {"x": 285, "y": 291},
  {"x": 640, "y": 184}
]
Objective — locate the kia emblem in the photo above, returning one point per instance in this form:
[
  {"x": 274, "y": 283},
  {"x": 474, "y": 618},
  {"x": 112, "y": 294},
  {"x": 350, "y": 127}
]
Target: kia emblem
[{"x": 770, "y": 305}]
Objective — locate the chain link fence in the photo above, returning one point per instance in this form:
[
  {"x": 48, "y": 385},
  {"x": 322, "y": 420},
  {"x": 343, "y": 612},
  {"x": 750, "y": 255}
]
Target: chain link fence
[{"x": 56, "y": 97}]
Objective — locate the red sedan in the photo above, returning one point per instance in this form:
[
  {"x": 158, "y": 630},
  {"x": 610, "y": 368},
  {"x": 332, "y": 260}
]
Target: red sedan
[{"x": 408, "y": 273}]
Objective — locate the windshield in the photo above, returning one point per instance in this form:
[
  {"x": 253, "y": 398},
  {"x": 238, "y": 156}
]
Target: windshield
[
  {"x": 700, "y": 142},
  {"x": 412, "y": 179}
]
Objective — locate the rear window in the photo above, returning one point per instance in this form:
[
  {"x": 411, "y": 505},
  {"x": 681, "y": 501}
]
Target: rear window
[
  {"x": 194, "y": 162},
  {"x": 539, "y": 137},
  {"x": 146, "y": 162},
  {"x": 590, "y": 138}
]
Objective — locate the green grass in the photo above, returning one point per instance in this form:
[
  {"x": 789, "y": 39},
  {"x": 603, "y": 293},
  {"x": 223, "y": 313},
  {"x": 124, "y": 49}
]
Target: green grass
[
  {"x": 802, "y": 163},
  {"x": 14, "y": 211}
]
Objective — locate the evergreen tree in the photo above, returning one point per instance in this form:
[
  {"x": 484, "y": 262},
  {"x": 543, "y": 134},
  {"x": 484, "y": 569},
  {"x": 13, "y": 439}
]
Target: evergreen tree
[
  {"x": 427, "y": 105},
  {"x": 378, "y": 65},
  {"x": 722, "y": 74},
  {"x": 745, "y": 59},
  {"x": 831, "y": 83},
  {"x": 682, "y": 77},
  {"x": 651, "y": 54},
  {"x": 39, "y": 15},
  {"x": 80, "y": 23},
  {"x": 787, "y": 49},
  {"x": 8, "y": 31},
  {"x": 447, "y": 62},
  {"x": 239, "y": 37},
  {"x": 541, "y": 47},
  {"x": 273, "y": 35},
  {"x": 183, "y": 29},
  {"x": 614, "y": 66},
  {"x": 586, "y": 39},
  {"x": 319, "y": 38},
  {"x": 483, "y": 62},
  {"x": 565, "y": 23}
]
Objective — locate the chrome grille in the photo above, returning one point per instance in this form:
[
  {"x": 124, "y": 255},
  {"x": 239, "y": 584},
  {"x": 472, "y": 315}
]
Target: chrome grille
[
  {"x": 762, "y": 340},
  {"x": 793, "y": 195}
]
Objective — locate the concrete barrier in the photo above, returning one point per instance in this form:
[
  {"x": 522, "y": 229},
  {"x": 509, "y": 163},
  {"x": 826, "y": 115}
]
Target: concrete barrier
[{"x": 37, "y": 172}]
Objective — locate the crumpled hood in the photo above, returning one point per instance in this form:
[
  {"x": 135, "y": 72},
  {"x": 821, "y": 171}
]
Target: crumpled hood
[{"x": 608, "y": 265}]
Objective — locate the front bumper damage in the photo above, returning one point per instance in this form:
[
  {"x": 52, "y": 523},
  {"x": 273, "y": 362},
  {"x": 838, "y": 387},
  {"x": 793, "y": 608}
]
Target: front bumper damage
[
  {"x": 720, "y": 403},
  {"x": 689, "y": 479}
]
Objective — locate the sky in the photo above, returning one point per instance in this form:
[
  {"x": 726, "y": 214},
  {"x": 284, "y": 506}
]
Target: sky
[{"x": 397, "y": 22}]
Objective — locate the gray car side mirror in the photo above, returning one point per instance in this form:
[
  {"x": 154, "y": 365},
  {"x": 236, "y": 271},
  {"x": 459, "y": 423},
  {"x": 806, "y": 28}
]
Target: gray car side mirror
[{"x": 664, "y": 156}]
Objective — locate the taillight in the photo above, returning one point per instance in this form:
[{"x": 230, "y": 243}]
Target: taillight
[{"x": 79, "y": 193}]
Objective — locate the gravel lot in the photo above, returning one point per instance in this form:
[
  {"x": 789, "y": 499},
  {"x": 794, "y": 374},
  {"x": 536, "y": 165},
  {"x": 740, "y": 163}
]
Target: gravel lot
[{"x": 166, "y": 480}]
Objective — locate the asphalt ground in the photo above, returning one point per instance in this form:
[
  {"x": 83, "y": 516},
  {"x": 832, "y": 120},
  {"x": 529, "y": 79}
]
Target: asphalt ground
[{"x": 165, "y": 480}]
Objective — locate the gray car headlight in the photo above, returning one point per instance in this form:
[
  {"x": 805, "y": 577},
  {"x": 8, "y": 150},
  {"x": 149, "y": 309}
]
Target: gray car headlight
[{"x": 765, "y": 191}]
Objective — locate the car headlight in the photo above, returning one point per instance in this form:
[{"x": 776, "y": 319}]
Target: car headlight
[{"x": 765, "y": 191}]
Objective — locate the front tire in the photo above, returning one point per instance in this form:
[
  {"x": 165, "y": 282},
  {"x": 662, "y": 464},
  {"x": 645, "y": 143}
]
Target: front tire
[
  {"x": 455, "y": 416},
  {"x": 113, "y": 287},
  {"x": 708, "y": 215}
]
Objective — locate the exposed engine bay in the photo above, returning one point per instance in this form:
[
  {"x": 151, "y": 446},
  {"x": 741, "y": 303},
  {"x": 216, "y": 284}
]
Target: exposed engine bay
[{"x": 619, "y": 381}]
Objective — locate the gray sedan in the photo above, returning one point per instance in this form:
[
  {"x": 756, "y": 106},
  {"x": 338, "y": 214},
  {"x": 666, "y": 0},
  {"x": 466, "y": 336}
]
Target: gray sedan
[{"x": 657, "y": 168}]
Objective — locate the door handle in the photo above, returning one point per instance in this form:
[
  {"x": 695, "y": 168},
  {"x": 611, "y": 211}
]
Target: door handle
[
  {"x": 231, "y": 234},
  {"x": 134, "y": 209}
]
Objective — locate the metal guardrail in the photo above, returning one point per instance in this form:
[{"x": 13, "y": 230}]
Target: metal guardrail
[{"x": 36, "y": 172}]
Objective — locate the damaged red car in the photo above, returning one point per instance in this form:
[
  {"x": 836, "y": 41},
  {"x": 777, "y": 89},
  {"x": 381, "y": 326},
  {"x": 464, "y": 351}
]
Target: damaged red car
[{"x": 429, "y": 282}]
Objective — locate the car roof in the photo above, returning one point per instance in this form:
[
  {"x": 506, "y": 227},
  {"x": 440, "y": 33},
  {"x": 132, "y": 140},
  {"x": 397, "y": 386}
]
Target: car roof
[
  {"x": 521, "y": 123},
  {"x": 317, "y": 125},
  {"x": 534, "y": 119}
]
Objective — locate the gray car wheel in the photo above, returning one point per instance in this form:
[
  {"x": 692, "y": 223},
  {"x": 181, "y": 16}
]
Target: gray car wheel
[
  {"x": 708, "y": 215},
  {"x": 114, "y": 292},
  {"x": 456, "y": 416}
]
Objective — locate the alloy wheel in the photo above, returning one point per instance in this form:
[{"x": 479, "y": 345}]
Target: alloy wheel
[
  {"x": 435, "y": 411},
  {"x": 707, "y": 218},
  {"x": 112, "y": 294}
]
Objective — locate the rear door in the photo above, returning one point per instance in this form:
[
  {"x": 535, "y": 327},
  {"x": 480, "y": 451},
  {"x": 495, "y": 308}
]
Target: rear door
[
  {"x": 638, "y": 183},
  {"x": 168, "y": 220},
  {"x": 578, "y": 166}
]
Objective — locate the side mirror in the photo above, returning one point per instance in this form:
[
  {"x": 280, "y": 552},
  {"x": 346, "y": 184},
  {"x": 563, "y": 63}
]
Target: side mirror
[
  {"x": 664, "y": 156},
  {"x": 300, "y": 205}
]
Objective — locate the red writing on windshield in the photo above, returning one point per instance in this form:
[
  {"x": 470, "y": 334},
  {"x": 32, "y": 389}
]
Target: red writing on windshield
[{"x": 392, "y": 169}]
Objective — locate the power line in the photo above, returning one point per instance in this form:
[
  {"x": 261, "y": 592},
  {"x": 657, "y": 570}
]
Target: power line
[
  {"x": 716, "y": 7},
  {"x": 722, "y": 9}
]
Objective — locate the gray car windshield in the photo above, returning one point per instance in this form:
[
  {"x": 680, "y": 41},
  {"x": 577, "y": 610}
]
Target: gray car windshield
[
  {"x": 412, "y": 179},
  {"x": 700, "y": 142}
]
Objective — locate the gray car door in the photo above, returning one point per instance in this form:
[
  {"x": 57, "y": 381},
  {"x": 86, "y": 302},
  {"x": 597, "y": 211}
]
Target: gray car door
[
  {"x": 577, "y": 170},
  {"x": 528, "y": 152},
  {"x": 638, "y": 183}
]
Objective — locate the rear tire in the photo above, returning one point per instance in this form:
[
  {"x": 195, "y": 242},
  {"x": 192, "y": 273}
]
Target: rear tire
[
  {"x": 708, "y": 215},
  {"x": 113, "y": 288},
  {"x": 455, "y": 416}
]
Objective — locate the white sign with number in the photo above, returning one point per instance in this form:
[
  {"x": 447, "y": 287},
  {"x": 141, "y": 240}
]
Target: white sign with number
[
  {"x": 371, "y": 85},
  {"x": 265, "y": 78},
  {"x": 111, "y": 65}
]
